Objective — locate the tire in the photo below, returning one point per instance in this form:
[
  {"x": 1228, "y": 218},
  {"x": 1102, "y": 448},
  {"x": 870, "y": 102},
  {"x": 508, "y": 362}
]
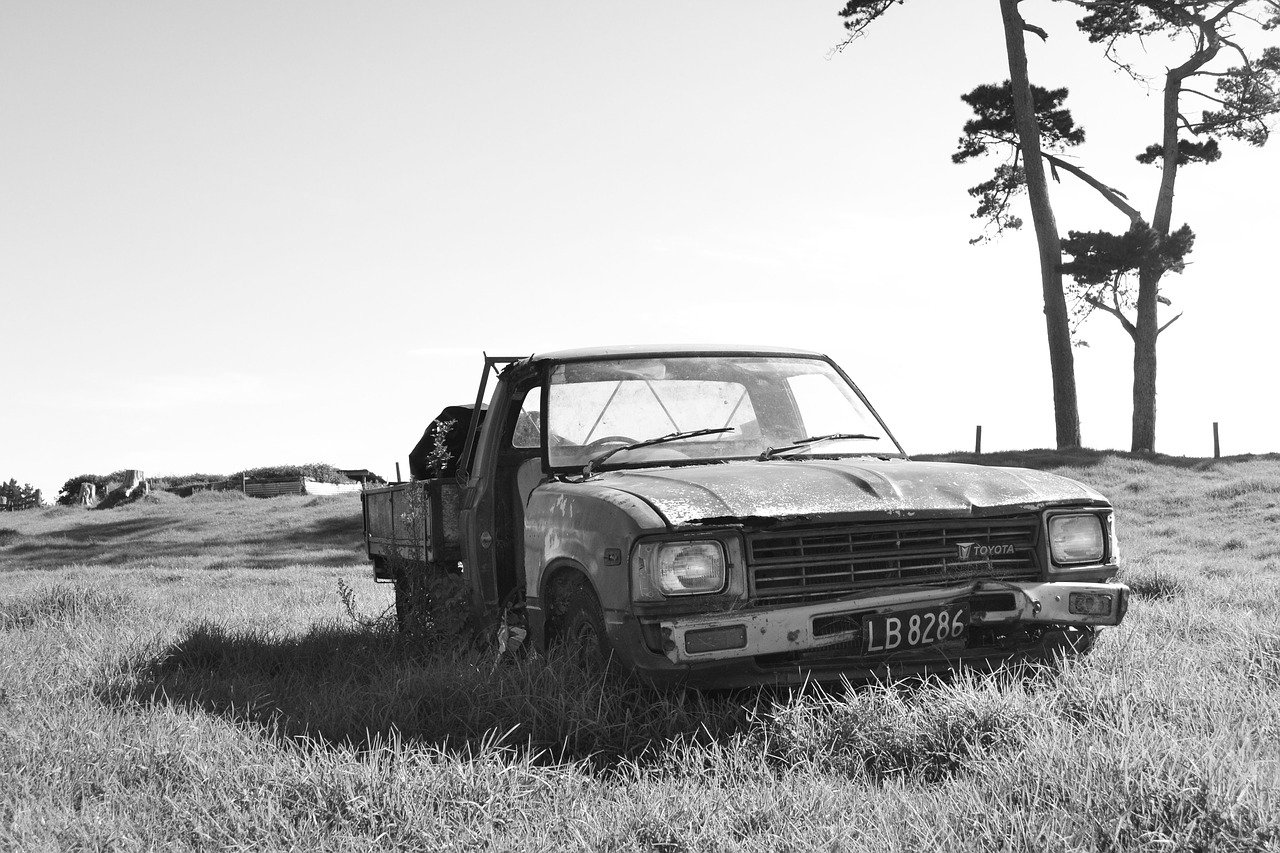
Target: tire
[
  {"x": 1069, "y": 645},
  {"x": 404, "y": 603},
  {"x": 582, "y": 630},
  {"x": 1080, "y": 642}
]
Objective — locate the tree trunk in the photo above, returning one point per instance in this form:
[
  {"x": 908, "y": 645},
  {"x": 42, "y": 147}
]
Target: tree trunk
[
  {"x": 1148, "y": 323},
  {"x": 1057, "y": 322},
  {"x": 1146, "y": 331}
]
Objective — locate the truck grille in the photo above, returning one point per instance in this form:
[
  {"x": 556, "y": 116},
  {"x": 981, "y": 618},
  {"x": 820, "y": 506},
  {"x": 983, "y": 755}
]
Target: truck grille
[{"x": 817, "y": 563}]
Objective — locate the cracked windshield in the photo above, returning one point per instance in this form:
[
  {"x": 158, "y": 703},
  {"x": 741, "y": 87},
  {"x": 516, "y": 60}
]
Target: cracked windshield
[{"x": 748, "y": 407}]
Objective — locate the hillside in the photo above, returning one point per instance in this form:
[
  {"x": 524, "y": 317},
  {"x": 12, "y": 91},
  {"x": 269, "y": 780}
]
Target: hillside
[
  {"x": 209, "y": 530},
  {"x": 186, "y": 675}
]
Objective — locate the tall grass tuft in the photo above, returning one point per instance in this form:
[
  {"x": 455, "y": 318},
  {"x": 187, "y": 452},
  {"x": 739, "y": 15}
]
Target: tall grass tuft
[
  {"x": 62, "y": 603},
  {"x": 927, "y": 732},
  {"x": 1239, "y": 488},
  {"x": 1153, "y": 584}
]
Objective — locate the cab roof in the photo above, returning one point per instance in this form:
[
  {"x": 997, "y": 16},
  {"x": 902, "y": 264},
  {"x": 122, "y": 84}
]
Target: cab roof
[{"x": 642, "y": 350}]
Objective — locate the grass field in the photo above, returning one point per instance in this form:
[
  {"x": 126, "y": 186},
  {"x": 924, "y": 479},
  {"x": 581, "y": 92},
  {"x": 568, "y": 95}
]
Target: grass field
[{"x": 183, "y": 674}]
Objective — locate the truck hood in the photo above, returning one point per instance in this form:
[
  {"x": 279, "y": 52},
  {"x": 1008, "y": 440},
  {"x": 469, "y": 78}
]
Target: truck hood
[{"x": 791, "y": 489}]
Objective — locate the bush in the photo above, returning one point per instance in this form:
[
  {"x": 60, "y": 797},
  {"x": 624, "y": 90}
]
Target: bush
[
  {"x": 71, "y": 489},
  {"x": 319, "y": 471}
]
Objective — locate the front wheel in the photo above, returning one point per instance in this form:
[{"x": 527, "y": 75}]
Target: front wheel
[{"x": 582, "y": 630}]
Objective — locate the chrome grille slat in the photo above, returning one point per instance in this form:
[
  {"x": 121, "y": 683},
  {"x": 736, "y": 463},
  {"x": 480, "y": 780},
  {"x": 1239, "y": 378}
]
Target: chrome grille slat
[{"x": 824, "y": 562}]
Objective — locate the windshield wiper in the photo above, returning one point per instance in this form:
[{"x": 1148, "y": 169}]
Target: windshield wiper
[
  {"x": 770, "y": 452},
  {"x": 594, "y": 464}
]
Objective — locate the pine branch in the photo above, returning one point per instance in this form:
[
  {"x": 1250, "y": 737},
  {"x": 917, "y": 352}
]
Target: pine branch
[
  {"x": 1115, "y": 312},
  {"x": 1203, "y": 95},
  {"x": 1168, "y": 324},
  {"x": 1244, "y": 57},
  {"x": 1114, "y": 196}
]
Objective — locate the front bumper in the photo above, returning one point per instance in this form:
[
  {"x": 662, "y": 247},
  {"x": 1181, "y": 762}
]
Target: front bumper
[{"x": 782, "y": 630}]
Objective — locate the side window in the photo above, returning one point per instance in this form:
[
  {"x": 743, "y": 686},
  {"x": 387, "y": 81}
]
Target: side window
[{"x": 528, "y": 431}]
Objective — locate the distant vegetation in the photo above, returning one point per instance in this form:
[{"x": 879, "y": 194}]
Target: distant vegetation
[
  {"x": 318, "y": 471},
  {"x": 104, "y": 483},
  {"x": 184, "y": 674},
  {"x": 20, "y": 497}
]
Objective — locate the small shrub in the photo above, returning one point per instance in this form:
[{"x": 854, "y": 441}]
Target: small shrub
[
  {"x": 7, "y": 535},
  {"x": 384, "y": 622}
]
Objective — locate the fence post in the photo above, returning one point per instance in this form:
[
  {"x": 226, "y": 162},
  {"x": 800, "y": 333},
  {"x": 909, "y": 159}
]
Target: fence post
[
  {"x": 977, "y": 441},
  {"x": 1217, "y": 448},
  {"x": 398, "y": 472}
]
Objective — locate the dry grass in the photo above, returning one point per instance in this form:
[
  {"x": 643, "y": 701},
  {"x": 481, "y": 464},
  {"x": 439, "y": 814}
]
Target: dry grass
[{"x": 182, "y": 676}]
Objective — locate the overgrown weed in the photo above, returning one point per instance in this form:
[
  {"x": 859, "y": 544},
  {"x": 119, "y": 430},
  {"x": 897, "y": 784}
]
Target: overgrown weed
[{"x": 340, "y": 684}]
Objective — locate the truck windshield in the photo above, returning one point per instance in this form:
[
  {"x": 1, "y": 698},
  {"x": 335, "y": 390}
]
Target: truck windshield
[{"x": 747, "y": 404}]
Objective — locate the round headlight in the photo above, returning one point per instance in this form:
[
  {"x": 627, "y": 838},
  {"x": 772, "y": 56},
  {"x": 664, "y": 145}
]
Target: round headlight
[
  {"x": 1076, "y": 539},
  {"x": 686, "y": 568}
]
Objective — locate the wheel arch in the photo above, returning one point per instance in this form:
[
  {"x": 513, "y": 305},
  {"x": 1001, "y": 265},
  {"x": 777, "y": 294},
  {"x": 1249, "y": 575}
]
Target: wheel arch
[{"x": 559, "y": 581}]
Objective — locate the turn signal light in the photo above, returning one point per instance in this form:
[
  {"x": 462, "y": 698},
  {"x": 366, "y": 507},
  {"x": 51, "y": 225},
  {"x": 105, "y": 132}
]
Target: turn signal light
[{"x": 715, "y": 639}]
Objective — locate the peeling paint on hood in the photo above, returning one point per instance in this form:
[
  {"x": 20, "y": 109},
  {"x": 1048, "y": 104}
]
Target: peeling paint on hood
[{"x": 784, "y": 488}]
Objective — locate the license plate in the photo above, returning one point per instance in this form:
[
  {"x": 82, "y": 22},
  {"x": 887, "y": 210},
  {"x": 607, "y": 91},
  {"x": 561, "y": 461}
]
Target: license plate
[{"x": 913, "y": 629}]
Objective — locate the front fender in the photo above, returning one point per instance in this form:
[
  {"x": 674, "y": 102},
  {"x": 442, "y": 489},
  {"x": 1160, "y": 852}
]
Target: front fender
[{"x": 589, "y": 526}]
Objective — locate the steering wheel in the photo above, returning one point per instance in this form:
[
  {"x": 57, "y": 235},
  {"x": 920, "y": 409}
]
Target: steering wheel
[{"x": 611, "y": 439}]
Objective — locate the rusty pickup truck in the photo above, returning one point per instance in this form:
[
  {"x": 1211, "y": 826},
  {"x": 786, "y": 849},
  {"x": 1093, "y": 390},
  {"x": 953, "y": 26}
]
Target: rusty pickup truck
[{"x": 723, "y": 517}]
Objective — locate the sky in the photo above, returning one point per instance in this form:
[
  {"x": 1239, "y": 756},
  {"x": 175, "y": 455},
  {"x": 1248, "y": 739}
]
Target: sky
[{"x": 237, "y": 234}]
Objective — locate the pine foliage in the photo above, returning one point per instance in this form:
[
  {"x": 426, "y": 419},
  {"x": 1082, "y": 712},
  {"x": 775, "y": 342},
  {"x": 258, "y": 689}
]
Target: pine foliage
[{"x": 994, "y": 130}]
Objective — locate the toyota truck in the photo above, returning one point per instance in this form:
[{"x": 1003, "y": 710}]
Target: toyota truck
[{"x": 734, "y": 516}]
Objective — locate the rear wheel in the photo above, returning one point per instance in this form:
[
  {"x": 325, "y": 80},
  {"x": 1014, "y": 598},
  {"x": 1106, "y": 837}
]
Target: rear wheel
[{"x": 404, "y": 603}]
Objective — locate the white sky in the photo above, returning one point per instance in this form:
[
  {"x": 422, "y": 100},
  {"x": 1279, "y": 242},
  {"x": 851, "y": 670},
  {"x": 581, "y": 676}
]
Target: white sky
[{"x": 236, "y": 234}]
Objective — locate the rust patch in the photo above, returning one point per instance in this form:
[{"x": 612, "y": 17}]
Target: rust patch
[{"x": 793, "y": 636}]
